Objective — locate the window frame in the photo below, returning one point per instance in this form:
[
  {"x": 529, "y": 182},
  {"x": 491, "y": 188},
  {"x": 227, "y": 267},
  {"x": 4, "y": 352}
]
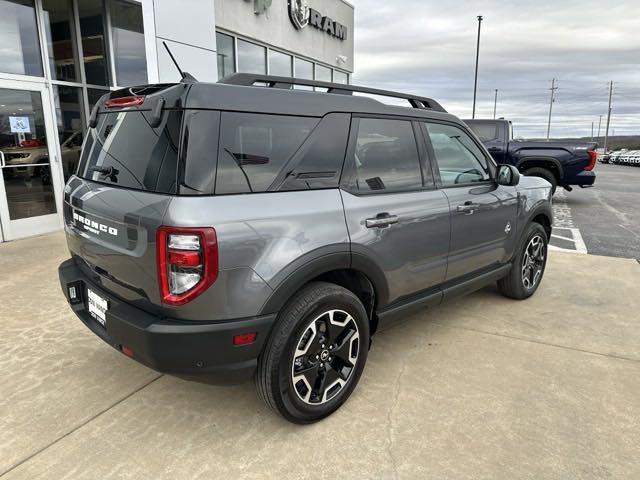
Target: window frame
[
  {"x": 435, "y": 167},
  {"x": 347, "y": 180}
]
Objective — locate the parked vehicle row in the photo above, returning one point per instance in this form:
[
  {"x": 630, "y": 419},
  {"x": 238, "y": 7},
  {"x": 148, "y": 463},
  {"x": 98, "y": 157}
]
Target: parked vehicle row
[{"x": 625, "y": 157}]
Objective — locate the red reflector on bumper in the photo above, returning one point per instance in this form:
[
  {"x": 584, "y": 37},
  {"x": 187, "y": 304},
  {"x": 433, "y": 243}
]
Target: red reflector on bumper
[
  {"x": 127, "y": 351},
  {"x": 244, "y": 338}
]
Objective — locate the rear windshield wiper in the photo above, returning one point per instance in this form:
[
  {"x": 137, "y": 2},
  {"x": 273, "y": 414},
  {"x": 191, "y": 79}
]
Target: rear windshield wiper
[{"x": 110, "y": 172}]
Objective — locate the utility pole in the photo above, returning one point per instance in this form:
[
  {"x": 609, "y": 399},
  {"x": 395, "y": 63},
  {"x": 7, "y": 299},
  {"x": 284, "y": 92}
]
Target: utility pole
[
  {"x": 553, "y": 93},
  {"x": 592, "y": 131},
  {"x": 599, "y": 123},
  {"x": 495, "y": 104},
  {"x": 475, "y": 82},
  {"x": 606, "y": 132}
]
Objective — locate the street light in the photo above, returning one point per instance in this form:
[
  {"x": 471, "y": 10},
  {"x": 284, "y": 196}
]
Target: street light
[{"x": 475, "y": 83}]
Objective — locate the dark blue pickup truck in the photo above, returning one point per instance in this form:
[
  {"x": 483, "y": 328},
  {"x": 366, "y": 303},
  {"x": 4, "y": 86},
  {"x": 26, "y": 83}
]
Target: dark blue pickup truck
[{"x": 562, "y": 164}]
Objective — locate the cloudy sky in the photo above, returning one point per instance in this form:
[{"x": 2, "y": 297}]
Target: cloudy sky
[{"x": 428, "y": 47}]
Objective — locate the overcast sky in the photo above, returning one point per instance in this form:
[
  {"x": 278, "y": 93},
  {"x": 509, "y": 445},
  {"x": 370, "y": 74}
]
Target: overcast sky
[{"x": 428, "y": 47}]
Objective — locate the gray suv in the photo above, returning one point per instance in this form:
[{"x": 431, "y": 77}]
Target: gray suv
[{"x": 268, "y": 227}]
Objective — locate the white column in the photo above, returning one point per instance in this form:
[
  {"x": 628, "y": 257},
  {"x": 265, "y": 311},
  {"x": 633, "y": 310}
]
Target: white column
[{"x": 188, "y": 28}]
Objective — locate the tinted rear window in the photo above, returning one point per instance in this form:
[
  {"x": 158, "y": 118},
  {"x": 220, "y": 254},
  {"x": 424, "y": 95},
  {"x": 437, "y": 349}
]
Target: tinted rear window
[
  {"x": 484, "y": 131},
  {"x": 124, "y": 150},
  {"x": 254, "y": 147}
]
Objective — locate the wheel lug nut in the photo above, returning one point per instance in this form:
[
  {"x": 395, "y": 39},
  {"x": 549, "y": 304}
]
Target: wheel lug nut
[
  {"x": 322, "y": 365},
  {"x": 323, "y": 346},
  {"x": 317, "y": 357},
  {"x": 330, "y": 347}
]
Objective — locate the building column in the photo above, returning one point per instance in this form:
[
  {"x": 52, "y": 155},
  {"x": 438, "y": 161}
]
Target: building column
[{"x": 188, "y": 28}]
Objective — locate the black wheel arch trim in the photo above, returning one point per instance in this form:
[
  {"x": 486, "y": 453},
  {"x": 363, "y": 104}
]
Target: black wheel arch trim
[
  {"x": 543, "y": 209},
  {"x": 522, "y": 163},
  {"x": 317, "y": 263}
]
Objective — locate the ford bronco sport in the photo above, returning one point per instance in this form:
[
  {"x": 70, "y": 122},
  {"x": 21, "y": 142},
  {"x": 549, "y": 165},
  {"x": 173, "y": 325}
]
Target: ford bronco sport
[{"x": 252, "y": 229}]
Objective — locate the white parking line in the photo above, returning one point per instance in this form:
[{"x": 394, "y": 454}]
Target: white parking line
[{"x": 564, "y": 229}]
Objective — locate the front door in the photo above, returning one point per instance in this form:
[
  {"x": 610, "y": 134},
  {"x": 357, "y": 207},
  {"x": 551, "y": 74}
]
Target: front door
[
  {"x": 483, "y": 214},
  {"x": 28, "y": 184}
]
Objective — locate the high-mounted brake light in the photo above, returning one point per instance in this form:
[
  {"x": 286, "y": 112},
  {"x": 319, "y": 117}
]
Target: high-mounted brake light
[
  {"x": 592, "y": 160},
  {"x": 121, "y": 102},
  {"x": 187, "y": 262}
]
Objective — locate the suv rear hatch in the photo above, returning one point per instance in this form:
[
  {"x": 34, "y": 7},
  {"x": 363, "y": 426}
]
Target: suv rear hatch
[{"x": 125, "y": 181}]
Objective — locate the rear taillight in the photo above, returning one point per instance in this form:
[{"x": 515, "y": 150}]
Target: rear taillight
[
  {"x": 187, "y": 262},
  {"x": 122, "y": 102},
  {"x": 592, "y": 159}
]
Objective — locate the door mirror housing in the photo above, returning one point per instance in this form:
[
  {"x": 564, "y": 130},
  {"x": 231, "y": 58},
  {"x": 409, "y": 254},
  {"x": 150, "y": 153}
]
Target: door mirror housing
[{"x": 508, "y": 175}]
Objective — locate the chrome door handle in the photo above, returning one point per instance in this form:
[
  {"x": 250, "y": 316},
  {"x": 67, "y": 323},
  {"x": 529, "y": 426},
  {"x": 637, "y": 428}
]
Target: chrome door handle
[
  {"x": 468, "y": 208},
  {"x": 1, "y": 158},
  {"x": 382, "y": 220}
]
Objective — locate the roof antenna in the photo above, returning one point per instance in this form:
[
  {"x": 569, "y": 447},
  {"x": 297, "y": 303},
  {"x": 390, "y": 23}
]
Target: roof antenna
[{"x": 185, "y": 76}]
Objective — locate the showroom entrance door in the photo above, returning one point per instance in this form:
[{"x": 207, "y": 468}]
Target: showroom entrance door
[{"x": 28, "y": 183}]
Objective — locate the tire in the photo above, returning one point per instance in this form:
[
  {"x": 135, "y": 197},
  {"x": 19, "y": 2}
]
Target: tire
[
  {"x": 546, "y": 174},
  {"x": 514, "y": 284},
  {"x": 302, "y": 352}
]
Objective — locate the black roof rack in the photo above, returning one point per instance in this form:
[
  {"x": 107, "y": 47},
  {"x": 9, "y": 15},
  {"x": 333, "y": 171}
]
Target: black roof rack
[{"x": 250, "y": 79}]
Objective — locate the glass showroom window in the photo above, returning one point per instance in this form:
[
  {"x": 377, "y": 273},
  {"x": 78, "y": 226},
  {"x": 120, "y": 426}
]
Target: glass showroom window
[
  {"x": 93, "y": 42},
  {"x": 61, "y": 45},
  {"x": 127, "y": 34},
  {"x": 280, "y": 64},
  {"x": 340, "y": 77},
  {"x": 323, "y": 74},
  {"x": 226, "y": 55},
  {"x": 252, "y": 58},
  {"x": 304, "y": 69},
  {"x": 20, "y": 52}
]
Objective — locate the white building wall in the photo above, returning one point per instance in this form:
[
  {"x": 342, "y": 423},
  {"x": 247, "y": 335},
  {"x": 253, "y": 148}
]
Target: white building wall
[
  {"x": 274, "y": 28},
  {"x": 188, "y": 28}
]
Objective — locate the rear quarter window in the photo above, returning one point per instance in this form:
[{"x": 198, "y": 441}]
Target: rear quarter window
[{"x": 253, "y": 149}]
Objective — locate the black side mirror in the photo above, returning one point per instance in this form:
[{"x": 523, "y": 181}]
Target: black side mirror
[{"x": 508, "y": 175}]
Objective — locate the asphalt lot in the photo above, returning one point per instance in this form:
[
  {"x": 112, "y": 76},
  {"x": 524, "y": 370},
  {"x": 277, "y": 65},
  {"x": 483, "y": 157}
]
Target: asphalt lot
[
  {"x": 606, "y": 216},
  {"x": 484, "y": 387}
]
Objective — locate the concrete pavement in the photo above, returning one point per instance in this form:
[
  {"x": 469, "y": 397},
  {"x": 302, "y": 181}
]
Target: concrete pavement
[{"x": 483, "y": 387}]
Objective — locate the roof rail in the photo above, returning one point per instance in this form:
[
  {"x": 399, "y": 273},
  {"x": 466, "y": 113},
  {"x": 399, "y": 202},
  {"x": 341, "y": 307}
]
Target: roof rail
[{"x": 250, "y": 79}]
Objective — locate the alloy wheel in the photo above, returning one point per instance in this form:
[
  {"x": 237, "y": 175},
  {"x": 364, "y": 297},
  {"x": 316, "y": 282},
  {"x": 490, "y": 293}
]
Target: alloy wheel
[
  {"x": 533, "y": 262},
  {"x": 325, "y": 357}
]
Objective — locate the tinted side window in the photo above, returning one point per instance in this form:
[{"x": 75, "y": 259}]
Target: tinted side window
[
  {"x": 386, "y": 156},
  {"x": 318, "y": 163},
  {"x": 254, "y": 148},
  {"x": 459, "y": 159}
]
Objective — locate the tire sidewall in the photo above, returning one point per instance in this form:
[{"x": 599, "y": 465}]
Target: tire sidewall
[
  {"x": 302, "y": 411},
  {"x": 533, "y": 230}
]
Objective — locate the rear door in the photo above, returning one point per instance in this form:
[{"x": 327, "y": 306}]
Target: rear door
[
  {"x": 483, "y": 213},
  {"x": 395, "y": 215},
  {"x": 493, "y": 135}
]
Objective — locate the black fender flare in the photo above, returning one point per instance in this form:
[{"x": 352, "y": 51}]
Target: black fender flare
[
  {"x": 542, "y": 209},
  {"x": 521, "y": 165},
  {"x": 316, "y": 263}
]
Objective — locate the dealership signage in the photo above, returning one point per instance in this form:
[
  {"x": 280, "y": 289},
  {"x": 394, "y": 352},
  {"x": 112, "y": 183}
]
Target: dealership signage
[{"x": 302, "y": 15}]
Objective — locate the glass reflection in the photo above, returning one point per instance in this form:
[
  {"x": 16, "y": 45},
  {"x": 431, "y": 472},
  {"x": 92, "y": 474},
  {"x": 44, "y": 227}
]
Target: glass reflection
[
  {"x": 20, "y": 49},
  {"x": 93, "y": 41},
  {"x": 23, "y": 141},
  {"x": 60, "y": 35},
  {"x": 128, "y": 43}
]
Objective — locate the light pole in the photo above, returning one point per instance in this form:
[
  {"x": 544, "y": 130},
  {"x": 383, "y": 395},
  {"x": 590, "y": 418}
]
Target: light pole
[
  {"x": 495, "y": 104},
  {"x": 475, "y": 82}
]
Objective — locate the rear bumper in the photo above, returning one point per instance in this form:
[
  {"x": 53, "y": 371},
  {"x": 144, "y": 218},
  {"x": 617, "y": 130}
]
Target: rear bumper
[
  {"x": 196, "y": 351},
  {"x": 584, "y": 178}
]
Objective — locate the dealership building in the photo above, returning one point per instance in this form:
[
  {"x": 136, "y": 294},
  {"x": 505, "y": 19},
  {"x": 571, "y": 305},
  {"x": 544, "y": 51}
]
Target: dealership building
[{"x": 58, "y": 57}]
